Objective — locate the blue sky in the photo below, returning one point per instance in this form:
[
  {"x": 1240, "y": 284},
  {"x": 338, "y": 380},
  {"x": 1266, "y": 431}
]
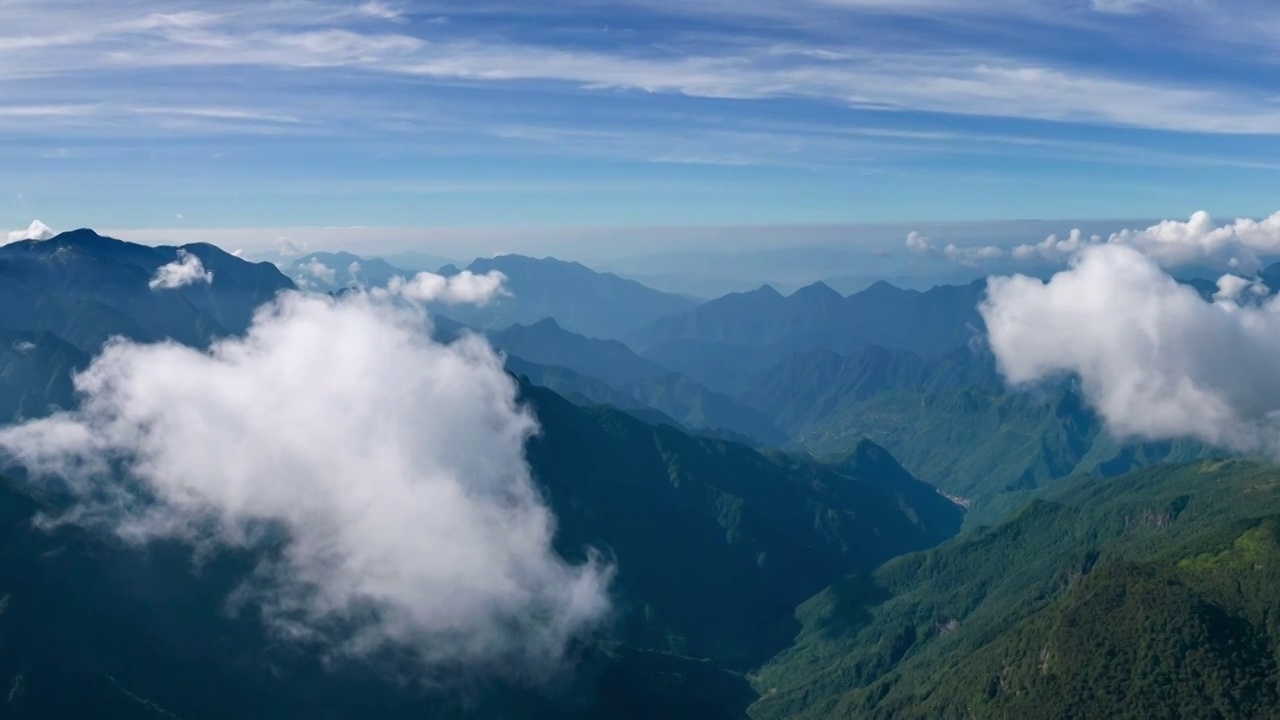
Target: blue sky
[{"x": 174, "y": 116}]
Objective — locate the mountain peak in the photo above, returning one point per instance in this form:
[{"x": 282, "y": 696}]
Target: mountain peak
[
  {"x": 78, "y": 236},
  {"x": 765, "y": 291},
  {"x": 881, "y": 287},
  {"x": 546, "y": 323},
  {"x": 817, "y": 291}
]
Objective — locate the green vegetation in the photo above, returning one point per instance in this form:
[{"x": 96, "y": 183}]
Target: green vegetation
[
  {"x": 716, "y": 543},
  {"x": 951, "y": 421},
  {"x": 1150, "y": 595}
]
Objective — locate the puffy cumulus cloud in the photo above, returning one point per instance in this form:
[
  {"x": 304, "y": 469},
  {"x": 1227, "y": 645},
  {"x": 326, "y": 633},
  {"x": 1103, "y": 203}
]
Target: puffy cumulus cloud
[
  {"x": 1238, "y": 245},
  {"x": 972, "y": 255},
  {"x": 186, "y": 270},
  {"x": 1200, "y": 239},
  {"x": 1054, "y": 249},
  {"x": 464, "y": 288},
  {"x": 1153, "y": 357},
  {"x": 393, "y": 464},
  {"x": 319, "y": 271},
  {"x": 923, "y": 245},
  {"x": 35, "y": 231},
  {"x": 919, "y": 244},
  {"x": 1233, "y": 288}
]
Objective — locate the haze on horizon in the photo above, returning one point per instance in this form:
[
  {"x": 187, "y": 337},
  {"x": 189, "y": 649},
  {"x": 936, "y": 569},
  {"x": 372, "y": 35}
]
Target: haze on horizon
[{"x": 598, "y": 131}]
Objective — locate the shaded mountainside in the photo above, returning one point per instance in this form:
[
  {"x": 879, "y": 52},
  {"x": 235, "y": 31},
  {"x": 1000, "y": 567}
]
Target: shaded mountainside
[
  {"x": 91, "y": 628},
  {"x": 722, "y": 342},
  {"x": 716, "y": 543},
  {"x": 670, "y": 398},
  {"x": 35, "y": 374},
  {"x": 546, "y": 343},
  {"x": 86, "y": 288},
  {"x": 598, "y": 305},
  {"x": 950, "y": 420},
  {"x": 1149, "y": 595}
]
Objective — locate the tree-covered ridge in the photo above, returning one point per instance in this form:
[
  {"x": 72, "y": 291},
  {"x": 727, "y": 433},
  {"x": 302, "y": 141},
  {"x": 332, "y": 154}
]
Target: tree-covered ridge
[
  {"x": 90, "y": 627},
  {"x": 716, "y": 542},
  {"x": 951, "y": 420},
  {"x": 1145, "y": 596}
]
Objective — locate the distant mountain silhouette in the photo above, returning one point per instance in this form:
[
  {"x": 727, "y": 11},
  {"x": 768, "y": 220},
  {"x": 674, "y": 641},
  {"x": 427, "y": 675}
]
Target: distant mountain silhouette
[
  {"x": 327, "y": 271},
  {"x": 951, "y": 420},
  {"x": 547, "y": 343},
  {"x": 417, "y": 261},
  {"x": 598, "y": 305},
  {"x": 723, "y": 341}
]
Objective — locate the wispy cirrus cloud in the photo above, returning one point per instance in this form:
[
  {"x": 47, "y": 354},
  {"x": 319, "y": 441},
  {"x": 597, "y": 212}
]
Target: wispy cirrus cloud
[
  {"x": 717, "y": 66},
  {"x": 817, "y": 87}
]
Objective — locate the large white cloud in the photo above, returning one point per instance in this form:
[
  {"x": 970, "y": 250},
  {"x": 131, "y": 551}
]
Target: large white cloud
[
  {"x": 395, "y": 464},
  {"x": 186, "y": 270},
  {"x": 1153, "y": 357},
  {"x": 35, "y": 231},
  {"x": 1238, "y": 245}
]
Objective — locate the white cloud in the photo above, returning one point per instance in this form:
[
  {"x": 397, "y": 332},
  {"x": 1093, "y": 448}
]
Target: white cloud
[
  {"x": 380, "y": 10},
  {"x": 353, "y": 268},
  {"x": 465, "y": 287},
  {"x": 1121, "y": 7},
  {"x": 24, "y": 346},
  {"x": 1238, "y": 245},
  {"x": 1232, "y": 287},
  {"x": 923, "y": 245},
  {"x": 972, "y": 255},
  {"x": 186, "y": 270},
  {"x": 919, "y": 244},
  {"x": 395, "y": 465},
  {"x": 847, "y": 63},
  {"x": 1054, "y": 249},
  {"x": 36, "y": 231},
  {"x": 319, "y": 271},
  {"x": 1154, "y": 358}
]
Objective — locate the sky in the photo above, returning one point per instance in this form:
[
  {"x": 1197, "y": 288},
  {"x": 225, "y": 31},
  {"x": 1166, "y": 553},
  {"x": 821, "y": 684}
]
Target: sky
[{"x": 239, "y": 121}]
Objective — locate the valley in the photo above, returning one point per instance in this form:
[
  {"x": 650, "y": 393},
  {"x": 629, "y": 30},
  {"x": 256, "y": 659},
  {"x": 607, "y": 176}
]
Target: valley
[{"x": 828, "y": 537}]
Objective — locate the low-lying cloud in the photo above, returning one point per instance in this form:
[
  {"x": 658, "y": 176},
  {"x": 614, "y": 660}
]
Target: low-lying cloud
[
  {"x": 465, "y": 287},
  {"x": 186, "y": 270},
  {"x": 923, "y": 245},
  {"x": 35, "y": 231},
  {"x": 1238, "y": 245},
  {"x": 319, "y": 271},
  {"x": 1154, "y": 358},
  {"x": 394, "y": 463}
]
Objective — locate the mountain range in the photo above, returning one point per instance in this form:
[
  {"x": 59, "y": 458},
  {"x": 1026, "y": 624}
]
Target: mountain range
[
  {"x": 723, "y": 341},
  {"x": 597, "y": 305},
  {"x": 329, "y": 271},
  {"x": 815, "y": 506}
]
